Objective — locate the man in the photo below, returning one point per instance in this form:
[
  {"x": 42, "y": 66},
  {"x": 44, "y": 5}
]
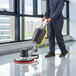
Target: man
[{"x": 55, "y": 17}]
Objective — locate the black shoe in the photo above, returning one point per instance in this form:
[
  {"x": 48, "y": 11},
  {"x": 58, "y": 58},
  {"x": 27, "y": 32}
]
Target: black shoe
[
  {"x": 63, "y": 54},
  {"x": 50, "y": 54}
]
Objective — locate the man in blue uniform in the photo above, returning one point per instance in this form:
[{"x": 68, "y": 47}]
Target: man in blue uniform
[{"x": 55, "y": 17}]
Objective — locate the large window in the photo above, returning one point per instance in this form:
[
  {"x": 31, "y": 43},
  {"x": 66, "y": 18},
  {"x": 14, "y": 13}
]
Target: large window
[{"x": 19, "y": 18}]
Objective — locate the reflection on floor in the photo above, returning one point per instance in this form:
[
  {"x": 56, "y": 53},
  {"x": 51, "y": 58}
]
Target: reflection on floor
[{"x": 52, "y": 66}]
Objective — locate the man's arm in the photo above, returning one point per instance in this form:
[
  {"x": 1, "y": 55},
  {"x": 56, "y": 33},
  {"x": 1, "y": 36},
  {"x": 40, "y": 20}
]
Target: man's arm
[
  {"x": 58, "y": 10},
  {"x": 47, "y": 12}
]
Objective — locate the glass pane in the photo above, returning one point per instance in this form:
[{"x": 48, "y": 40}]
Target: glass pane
[
  {"x": 64, "y": 10},
  {"x": 41, "y": 6},
  {"x": 26, "y": 7},
  {"x": 64, "y": 31},
  {"x": 6, "y": 28},
  {"x": 7, "y": 5},
  {"x": 28, "y": 25}
]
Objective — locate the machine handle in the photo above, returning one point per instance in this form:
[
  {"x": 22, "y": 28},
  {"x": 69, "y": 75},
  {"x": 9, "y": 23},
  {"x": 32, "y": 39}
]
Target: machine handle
[{"x": 42, "y": 23}]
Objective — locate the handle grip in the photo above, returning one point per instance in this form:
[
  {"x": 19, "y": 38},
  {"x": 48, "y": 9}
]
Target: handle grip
[{"x": 43, "y": 23}]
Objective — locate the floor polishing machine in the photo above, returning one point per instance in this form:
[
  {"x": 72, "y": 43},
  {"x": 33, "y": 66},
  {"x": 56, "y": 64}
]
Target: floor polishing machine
[{"x": 38, "y": 38}]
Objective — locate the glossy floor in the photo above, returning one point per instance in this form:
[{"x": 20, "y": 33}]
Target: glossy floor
[{"x": 52, "y": 66}]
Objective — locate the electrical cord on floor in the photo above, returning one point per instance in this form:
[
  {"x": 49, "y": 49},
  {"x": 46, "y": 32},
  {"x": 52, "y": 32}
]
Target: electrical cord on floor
[
  {"x": 46, "y": 46},
  {"x": 57, "y": 53}
]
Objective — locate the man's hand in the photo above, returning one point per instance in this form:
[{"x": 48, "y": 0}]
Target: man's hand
[
  {"x": 49, "y": 20},
  {"x": 43, "y": 18}
]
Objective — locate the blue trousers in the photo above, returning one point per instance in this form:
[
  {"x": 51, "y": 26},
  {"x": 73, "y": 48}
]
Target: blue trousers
[{"x": 56, "y": 31}]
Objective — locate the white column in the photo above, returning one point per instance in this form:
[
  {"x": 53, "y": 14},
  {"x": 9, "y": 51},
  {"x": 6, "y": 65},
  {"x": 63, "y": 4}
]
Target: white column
[{"x": 72, "y": 18}]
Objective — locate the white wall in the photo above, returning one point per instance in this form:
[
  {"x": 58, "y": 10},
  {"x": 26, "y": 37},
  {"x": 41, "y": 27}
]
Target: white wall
[{"x": 73, "y": 18}]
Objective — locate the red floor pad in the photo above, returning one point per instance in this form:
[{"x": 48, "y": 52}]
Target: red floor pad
[{"x": 23, "y": 62}]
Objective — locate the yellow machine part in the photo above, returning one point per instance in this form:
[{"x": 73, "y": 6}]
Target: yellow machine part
[{"x": 43, "y": 38}]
